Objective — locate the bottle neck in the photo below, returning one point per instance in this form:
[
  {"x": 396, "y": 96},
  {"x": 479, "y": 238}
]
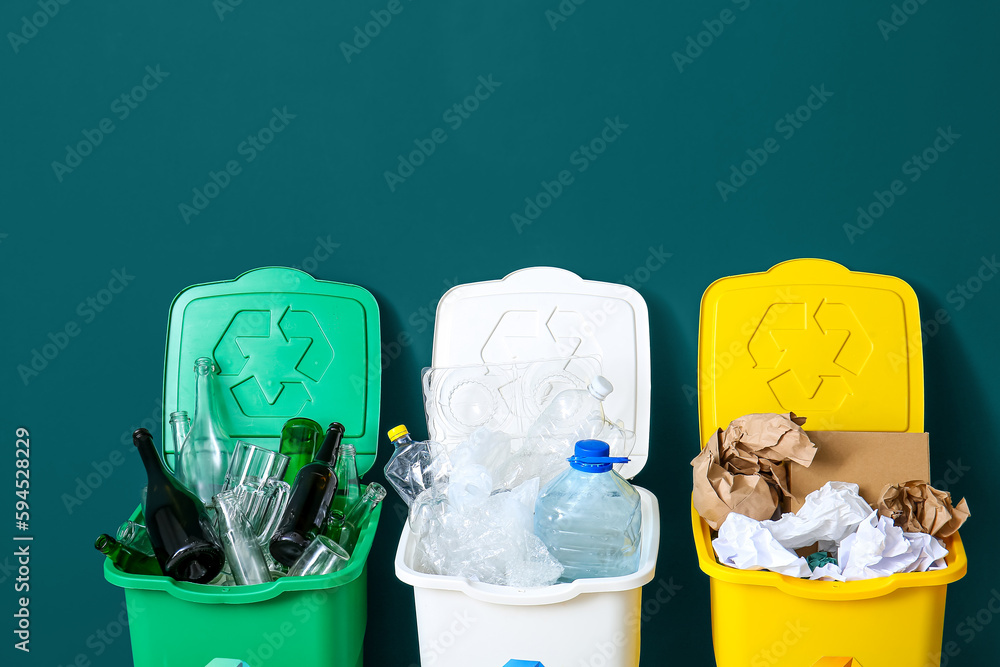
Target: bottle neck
[
  {"x": 203, "y": 393},
  {"x": 331, "y": 445},
  {"x": 150, "y": 459},
  {"x": 403, "y": 440},
  {"x": 364, "y": 507},
  {"x": 108, "y": 545}
]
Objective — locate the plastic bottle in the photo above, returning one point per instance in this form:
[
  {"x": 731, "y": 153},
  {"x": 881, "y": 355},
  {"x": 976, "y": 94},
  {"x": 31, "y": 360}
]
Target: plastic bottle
[
  {"x": 574, "y": 414},
  {"x": 589, "y": 516},
  {"x": 409, "y": 469}
]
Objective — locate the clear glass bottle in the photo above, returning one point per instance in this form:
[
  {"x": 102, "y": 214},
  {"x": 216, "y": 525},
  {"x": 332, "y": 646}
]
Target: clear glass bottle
[
  {"x": 180, "y": 426},
  {"x": 348, "y": 484},
  {"x": 204, "y": 456},
  {"x": 356, "y": 519},
  {"x": 133, "y": 535},
  {"x": 243, "y": 553}
]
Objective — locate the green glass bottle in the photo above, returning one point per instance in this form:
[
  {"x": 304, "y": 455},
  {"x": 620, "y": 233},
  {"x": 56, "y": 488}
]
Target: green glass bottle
[
  {"x": 126, "y": 559},
  {"x": 300, "y": 438},
  {"x": 357, "y": 518},
  {"x": 308, "y": 508},
  {"x": 184, "y": 542}
]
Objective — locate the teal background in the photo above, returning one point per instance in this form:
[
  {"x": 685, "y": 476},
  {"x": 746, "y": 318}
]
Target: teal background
[{"x": 450, "y": 222}]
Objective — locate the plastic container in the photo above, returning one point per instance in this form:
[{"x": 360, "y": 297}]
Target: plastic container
[
  {"x": 536, "y": 314},
  {"x": 588, "y": 517},
  {"x": 272, "y": 333},
  {"x": 844, "y": 350}
]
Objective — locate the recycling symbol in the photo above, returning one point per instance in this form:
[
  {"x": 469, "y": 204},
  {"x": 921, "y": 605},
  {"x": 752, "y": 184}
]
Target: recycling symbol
[
  {"x": 273, "y": 367},
  {"x": 815, "y": 356},
  {"x": 532, "y": 334}
]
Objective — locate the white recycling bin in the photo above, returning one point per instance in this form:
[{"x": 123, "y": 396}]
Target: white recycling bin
[{"x": 542, "y": 314}]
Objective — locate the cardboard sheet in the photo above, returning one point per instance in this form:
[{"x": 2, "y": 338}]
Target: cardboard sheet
[{"x": 870, "y": 460}]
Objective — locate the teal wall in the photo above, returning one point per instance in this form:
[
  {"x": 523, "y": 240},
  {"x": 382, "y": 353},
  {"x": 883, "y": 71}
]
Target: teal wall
[{"x": 319, "y": 190}]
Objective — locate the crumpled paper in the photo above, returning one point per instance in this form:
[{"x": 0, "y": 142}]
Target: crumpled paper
[
  {"x": 828, "y": 515},
  {"x": 918, "y": 507},
  {"x": 742, "y": 468},
  {"x": 879, "y": 549},
  {"x": 872, "y": 547},
  {"x": 746, "y": 544}
]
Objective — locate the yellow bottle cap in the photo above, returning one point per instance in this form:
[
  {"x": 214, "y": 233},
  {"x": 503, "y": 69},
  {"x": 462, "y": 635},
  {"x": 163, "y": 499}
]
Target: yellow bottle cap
[{"x": 398, "y": 432}]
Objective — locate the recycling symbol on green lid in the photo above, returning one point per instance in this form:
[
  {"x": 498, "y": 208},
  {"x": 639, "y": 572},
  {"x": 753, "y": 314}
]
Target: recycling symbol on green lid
[{"x": 273, "y": 365}]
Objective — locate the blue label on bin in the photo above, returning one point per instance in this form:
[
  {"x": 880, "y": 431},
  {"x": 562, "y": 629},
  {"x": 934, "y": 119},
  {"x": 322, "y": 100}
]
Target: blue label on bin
[
  {"x": 227, "y": 662},
  {"x": 523, "y": 663}
]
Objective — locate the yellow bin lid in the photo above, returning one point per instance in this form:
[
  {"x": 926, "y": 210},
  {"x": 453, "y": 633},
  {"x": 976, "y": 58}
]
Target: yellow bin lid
[{"x": 839, "y": 347}]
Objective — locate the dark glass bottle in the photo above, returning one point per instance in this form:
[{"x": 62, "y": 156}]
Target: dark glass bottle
[
  {"x": 309, "y": 503},
  {"x": 126, "y": 559},
  {"x": 180, "y": 531}
]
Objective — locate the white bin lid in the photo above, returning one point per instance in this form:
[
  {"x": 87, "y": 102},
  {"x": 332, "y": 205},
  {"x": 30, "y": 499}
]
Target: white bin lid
[{"x": 544, "y": 313}]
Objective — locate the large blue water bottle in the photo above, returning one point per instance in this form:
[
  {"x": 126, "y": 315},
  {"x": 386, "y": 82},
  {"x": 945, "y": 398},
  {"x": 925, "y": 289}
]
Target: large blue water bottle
[{"x": 589, "y": 516}]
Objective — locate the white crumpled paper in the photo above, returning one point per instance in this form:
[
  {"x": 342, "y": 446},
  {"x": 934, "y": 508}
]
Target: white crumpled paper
[
  {"x": 865, "y": 545},
  {"x": 746, "y": 544},
  {"x": 828, "y": 515}
]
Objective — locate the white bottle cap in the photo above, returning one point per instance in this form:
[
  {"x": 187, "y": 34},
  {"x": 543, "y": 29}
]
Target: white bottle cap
[{"x": 600, "y": 387}]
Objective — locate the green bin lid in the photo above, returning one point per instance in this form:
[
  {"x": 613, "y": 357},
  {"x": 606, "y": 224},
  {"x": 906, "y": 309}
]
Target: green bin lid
[{"x": 285, "y": 345}]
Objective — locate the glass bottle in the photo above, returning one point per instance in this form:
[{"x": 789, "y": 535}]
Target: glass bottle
[
  {"x": 300, "y": 437},
  {"x": 204, "y": 456},
  {"x": 127, "y": 559},
  {"x": 180, "y": 531},
  {"x": 308, "y": 507},
  {"x": 133, "y": 535},
  {"x": 243, "y": 553},
  {"x": 180, "y": 425},
  {"x": 348, "y": 485},
  {"x": 356, "y": 519}
]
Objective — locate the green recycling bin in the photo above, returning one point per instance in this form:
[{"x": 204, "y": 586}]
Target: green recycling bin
[{"x": 285, "y": 345}]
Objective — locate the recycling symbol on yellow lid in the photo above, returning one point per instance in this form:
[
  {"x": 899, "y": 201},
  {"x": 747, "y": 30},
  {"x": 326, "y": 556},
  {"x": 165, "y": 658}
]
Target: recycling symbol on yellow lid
[{"x": 814, "y": 353}]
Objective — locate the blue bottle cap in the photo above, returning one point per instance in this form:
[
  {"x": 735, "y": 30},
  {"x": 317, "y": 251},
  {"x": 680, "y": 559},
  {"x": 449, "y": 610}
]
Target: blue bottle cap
[{"x": 592, "y": 456}]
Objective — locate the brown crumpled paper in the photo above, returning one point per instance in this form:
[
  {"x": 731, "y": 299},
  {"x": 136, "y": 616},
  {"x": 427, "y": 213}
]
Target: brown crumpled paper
[
  {"x": 742, "y": 468},
  {"x": 917, "y": 507}
]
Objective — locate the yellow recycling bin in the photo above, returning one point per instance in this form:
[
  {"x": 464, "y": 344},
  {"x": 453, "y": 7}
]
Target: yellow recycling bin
[{"x": 842, "y": 349}]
